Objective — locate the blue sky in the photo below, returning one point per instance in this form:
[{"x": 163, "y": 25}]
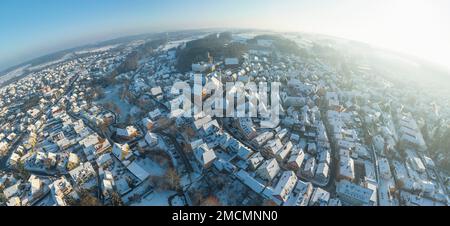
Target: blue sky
[{"x": 31, "y": 28}]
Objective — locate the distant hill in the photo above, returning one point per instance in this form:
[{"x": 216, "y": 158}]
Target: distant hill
[{"x": 58, "y": 55}]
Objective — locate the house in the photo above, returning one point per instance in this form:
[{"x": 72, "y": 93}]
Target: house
[
  {"x": 12, "y": 190},
  {"x": 334, "y": 202},
  {"x": 428, "y": 162},
  {"x": 296, "y": 159},
  {"x": 37, "y": 186},
  {"x": 104, "y": 160},
  {"x": 95, "y": 145},
  {"x": 319, "y": 197},
  {"x": 250, "y": 181},
  {"x": 273, "y": 147},
  {"x": 255, "y": 161},
  {"x": 200, "y": 122},
  {"x": 60, "y": 189},
  {"x": 121, "y": 151},
  {"x": 262, "y": 138},
  {"x": 108, "y": 183},
  {"x": 73, "y": 161},
  {"x": 284, "y": 152},
  {"x": 14, "y": 159},
  {"x": 352, "y": 194},
  {"x": 128, "y": 133},
  {"x": 223, "y": 165},
  {"x": 246, "y": 127},
  {"x": 3, "y": 146},
  {"x": 417, "y": 164},
  {"x": 244, "y": 152},
  {"x": 83, "y": 174},
  {"x": 151, "y": 139},
  {"x": 325, "y": 157},
  {"x": 346, "y": 168},
  {"x": 301, "y": 194},
  {"x": 322, "y": 173},
  {"x": 107, "y": 187},
  {"x": 156, "y": 91},
  {"x": 384, "y": 169},
  {"x": 138, "y": 171},
  {"x": 148, "y": 123},
  {"x": 204, "y": 155},
  {"x": 312, "y": 148},
  {"x": 155, "y": 114},
  {"x": 268, "y": 170},
  {"x": 282, "y": 134},
  {"x": 309, "y": 168},
  {"x": 285, "y": 186},
  {"x": 409, "y": 133},
  {"x": 14, "y": 201}
]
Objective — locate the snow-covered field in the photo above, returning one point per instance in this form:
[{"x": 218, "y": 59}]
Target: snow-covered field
[
  {"x": 97, "y": 50},
  {"x": 44, "y": 65},
  {"x": 13, "y": 74},
  {"x": 112, "y": 94},
  {"x": 151, "y": 167},
  {"x": 155, "y": 199}
]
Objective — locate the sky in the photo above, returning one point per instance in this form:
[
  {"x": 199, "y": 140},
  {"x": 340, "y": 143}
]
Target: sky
[{"x": 32, "y": 28}]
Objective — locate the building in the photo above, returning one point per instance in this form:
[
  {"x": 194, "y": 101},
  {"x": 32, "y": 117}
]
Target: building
[
  {"x": 285, "y": 186},
  {"x": 128, "y": 133},
  {"x": 148, "y": 123},
  {"x": 61, "y": 189},
  {"x": 244, "y": 152},
  {"x": 73, "y": 161},
  {"x": 246, "y": 127},
  {"x": 151, "y": 139},
  {"x": 312, "y": 148},
  {"x": 138, "y": 171},
  {"x": 325, "y": 157},
  {"x": 272, "y": 147},
  {"x": 384, "y": 169},
  {"x": 284, "y": 152},
  {"x": 352, "y": 194},
  {"x": 83, "y": 174},
  {"x": 409, "y": 133},
  {"x": 268, "y": 170},
  {"x": 300, "y": 195},
  {"x": 417, "y": 164},
  {"x": 255, "y": 160},
  {"x": 121, "y": 151},
  {"x": 346, "y": 168},
  {"x": 104, "y": 160},
  {"x": 296, "y": 159},
  {"x": 309, "y": 168},
  {"x": 322, "y": 173},
  {"x": 319, "y": 197},
  {"x": 205, "y": 156},
  {"x": 262, "y": 138}
]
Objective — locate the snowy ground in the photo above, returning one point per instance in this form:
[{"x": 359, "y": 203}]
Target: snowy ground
[
  {"x": 151, "y": 167},
  {"x": 155, "y": 199},
  {"x": 13, "y": 74},
  {"x": 62, "y": 59},
  {"x": 97, "y": 50},
  {"x": 112, "y": 94}
]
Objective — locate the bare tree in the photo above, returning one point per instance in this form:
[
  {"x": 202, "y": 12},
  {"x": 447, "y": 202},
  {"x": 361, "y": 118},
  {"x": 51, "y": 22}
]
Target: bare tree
[{"x": 173, "y": 178}]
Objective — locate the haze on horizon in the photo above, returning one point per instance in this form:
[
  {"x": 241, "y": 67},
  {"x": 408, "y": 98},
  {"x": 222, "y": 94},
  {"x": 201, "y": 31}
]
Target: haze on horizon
[{"x": 34, "y": 28}]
